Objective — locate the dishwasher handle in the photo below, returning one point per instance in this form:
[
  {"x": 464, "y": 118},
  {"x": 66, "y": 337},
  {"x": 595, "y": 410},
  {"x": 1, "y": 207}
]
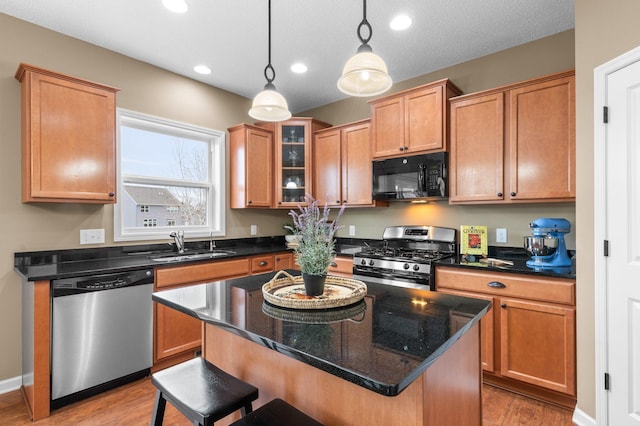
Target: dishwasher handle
[{"x": 100, "y": 282}]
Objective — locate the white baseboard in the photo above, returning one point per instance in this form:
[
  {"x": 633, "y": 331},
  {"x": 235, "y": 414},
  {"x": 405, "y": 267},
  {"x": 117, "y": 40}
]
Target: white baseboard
[
  {"x": 11, "y": 384},
  {"x": 581, "y": 418}
]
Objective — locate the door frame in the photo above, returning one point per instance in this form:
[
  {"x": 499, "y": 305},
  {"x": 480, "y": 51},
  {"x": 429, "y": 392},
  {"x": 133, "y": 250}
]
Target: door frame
[{"x": 600, "y": 76}]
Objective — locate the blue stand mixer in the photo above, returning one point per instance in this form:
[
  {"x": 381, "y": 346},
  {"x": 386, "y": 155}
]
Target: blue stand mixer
[{"x": 546, "y": 245}]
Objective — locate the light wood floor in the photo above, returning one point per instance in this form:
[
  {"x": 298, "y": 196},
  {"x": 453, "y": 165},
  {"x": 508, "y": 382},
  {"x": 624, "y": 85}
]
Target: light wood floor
[{"x": 132, "y": 405}]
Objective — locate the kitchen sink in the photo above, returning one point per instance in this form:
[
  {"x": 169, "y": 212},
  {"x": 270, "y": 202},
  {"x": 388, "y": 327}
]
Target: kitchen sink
[{"x": 192, "y": 256}]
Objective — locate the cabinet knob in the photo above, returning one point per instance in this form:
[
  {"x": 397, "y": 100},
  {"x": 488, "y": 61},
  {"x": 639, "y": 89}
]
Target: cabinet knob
[
  {"x": 344, "y": 201},
  {"x": 503, "y": 305},
  {"x": 112, "y": 194},
  {"x": 496, "y": 284},
  {"x": 262, "y": 263},
  {"x": 499, "y": 194},
  {"x": 249, "y": 202},
  {"x": 513, "y": 194},
  {"x": 337, "y": 201}
]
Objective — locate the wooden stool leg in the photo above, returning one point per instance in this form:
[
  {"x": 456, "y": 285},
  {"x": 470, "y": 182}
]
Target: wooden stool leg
[{"x": 158, "y": 409}]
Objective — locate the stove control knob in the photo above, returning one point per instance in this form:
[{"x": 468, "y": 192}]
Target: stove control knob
[
  {"x": 363, "y": 262},
  {"x": 371, "y": 262},
  {"x": 416, "y": 267},
  {"x": 405, "y": 266}
]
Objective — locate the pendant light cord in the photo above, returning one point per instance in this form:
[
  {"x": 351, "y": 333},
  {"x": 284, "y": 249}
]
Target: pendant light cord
[{"x": 269, "y": 67}]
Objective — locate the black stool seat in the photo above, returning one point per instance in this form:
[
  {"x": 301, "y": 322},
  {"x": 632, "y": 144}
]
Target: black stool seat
[
  {"x": 277, "y": 413},
  {"x": 201, "y": 391}
]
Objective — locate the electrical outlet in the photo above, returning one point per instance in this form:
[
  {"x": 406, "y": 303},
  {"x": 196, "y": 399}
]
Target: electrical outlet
[
  {"x": 501, "y": 235},
  {"x": 91, "y": 236},
  {"x": 254, "y": 229},
  {"x": 352, "y": 230}
]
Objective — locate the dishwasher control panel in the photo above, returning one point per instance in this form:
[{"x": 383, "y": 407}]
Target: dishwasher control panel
[{"x": 76, "y": 285}]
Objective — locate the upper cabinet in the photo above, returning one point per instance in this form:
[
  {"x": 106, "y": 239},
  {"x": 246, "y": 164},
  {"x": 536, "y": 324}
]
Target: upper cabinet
[
  {"x": 515, "y": 143},
  {"x": 251, "y": 166},
  {"x": 68, "y": 138},
  {"x": 412, "y": 121},
  {"x": 342, "y": 165},
  {"x": 293, "y": 158}
]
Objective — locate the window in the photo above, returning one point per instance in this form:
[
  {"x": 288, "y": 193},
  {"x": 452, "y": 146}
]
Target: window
[{"x": 170, "y": 177}]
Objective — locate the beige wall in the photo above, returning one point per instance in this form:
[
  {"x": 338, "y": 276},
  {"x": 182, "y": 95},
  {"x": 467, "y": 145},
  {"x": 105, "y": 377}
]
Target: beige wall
[
  {"x": 604, "y": 30},
  {"x": 150, "y": 90}
]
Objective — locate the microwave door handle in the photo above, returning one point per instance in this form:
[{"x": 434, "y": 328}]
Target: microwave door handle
[{"x": 422, "y": 177}]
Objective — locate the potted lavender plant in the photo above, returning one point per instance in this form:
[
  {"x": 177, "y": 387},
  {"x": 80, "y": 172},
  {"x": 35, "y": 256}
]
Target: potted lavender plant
[{"x": 316, "y": 245}]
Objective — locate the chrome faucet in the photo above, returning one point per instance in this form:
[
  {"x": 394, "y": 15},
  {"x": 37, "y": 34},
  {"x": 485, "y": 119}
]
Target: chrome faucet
[
  {"x": 179, "y": 240},
  {"x": 212, "y": 244}
]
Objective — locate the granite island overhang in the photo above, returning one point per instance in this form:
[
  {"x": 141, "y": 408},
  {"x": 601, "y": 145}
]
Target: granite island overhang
[{"x": 396, "y": 344}]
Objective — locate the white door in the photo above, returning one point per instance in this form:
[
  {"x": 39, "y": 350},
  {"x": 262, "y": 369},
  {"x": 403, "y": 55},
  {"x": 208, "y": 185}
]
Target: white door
[{"x": 622, "y": 265}]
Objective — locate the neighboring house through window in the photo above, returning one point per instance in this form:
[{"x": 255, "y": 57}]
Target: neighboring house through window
[{"x": 170, "y": 176}]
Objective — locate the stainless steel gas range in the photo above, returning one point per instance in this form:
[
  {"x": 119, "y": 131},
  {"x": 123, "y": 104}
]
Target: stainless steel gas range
[{"x": 405, "y": 256}]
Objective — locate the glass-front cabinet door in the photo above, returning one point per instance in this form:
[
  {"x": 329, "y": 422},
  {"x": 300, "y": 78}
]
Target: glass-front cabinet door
[{"x": 293, "y": 160}]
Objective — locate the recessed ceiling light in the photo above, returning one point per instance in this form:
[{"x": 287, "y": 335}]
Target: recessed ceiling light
[
  {"x": 202, "y": 69},
  {"x": 400, "y": 22},
  {"x": 176, "y": 6},
  {"x": 299, "y": 68}
]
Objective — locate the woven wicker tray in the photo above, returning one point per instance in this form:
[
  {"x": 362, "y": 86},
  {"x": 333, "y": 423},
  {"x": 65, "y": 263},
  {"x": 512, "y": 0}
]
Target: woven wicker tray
[
  {"x": 288, "y": 292},
  {"x": 354, "y": 312}
]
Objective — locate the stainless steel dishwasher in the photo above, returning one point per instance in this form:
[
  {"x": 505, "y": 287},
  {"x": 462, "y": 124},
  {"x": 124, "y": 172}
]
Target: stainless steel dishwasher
[{"x": 102, "y": 333}]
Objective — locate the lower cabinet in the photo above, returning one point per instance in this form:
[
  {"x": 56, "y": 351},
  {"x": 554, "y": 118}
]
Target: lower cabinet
[
  {"x": 176, "y": 335},
  {"x": 528, "y": 337},
  {"x": 341, "y": 266}
]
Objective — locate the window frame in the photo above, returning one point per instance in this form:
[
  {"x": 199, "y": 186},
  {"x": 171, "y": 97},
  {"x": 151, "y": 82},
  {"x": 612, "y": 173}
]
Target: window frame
[{"x": 215, "y": 184}]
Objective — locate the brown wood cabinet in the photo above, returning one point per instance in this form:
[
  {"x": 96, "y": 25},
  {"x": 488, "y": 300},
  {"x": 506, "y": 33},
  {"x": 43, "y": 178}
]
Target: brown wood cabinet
[
  {"x": 515, "y": 143},
  {"x": 412, "y": 121},
  {"x": 176, "y": 335},
  {"x": 284, "y": 260},
  {"x": 251, "y": 166},
  {"x": 341, "y": 266},
  {"x": 342, "y": 165},
  {"x": 529, "y": 340},
  {"x": 68, "y": 138}
]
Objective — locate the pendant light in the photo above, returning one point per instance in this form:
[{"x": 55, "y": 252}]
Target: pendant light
[
  {"x": 269, "y": 105},
  {"x": 365, "y": 74}
]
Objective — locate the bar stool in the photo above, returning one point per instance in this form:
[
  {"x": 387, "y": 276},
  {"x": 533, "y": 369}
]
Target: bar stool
[
  {"x": 277, "y": 413},
  {"x": 201, "y": 391}
]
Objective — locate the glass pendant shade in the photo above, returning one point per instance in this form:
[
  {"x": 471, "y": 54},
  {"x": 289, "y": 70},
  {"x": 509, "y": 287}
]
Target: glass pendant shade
[
  {"x": 269, "y": 105},
  {"x": 364, "y": 74}
]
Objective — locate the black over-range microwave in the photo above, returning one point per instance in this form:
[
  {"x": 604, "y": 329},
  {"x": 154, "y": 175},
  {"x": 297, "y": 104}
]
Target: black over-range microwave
[{"x": 413, "y": 178}]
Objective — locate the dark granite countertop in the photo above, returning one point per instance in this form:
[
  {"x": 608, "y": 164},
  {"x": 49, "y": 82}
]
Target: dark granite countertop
[
  {"x": 54, "y": 264},
  {"x": 519, "y": 259},
  {"x": 382, "y": 343}
]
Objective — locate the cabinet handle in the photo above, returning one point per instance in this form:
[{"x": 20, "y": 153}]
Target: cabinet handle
[
  {"x": 249, "y": 202},
  {"x": 499, "y": 194},
  {"x": 513, "y": 194},
  {"x": 503, "y": 305},
  {"x": 334, "y": 264},
  {"x": 262, "y": 263},
  {"x": 112, "y": 194},
  {"x": 496, "y": 284}
]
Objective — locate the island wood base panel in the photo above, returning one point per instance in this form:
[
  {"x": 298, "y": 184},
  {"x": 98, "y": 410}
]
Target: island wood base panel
[{"x": 448, "y": 392}]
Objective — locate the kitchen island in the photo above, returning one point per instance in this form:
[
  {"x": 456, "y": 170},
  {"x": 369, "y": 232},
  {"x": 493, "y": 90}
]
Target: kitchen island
[{"x": 399, "y": 356}]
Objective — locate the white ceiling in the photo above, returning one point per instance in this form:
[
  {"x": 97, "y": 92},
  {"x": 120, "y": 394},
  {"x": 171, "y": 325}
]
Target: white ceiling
[{"x": 230, "y": 36}]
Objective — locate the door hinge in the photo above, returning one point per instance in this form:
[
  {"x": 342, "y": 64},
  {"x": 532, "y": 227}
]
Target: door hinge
[
  {"x": 605, "y": 114},
  {"x": 606, "y": 381},
  {"x": 606, "y": 248}
]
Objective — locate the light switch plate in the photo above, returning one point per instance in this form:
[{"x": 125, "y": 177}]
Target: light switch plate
[
  {"x": 352, "y": 230},
  {"x": 501, "y": 235},
  {"x": 254, "y": 229},
  {"x": 91, "y": 236}
]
